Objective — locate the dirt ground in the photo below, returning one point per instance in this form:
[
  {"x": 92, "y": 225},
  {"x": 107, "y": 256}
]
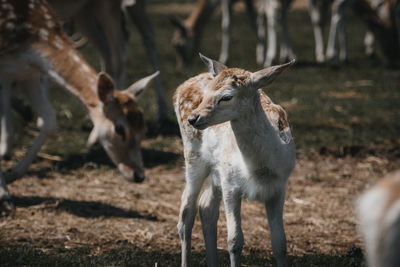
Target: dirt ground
[{"x": 94, "y": 207}]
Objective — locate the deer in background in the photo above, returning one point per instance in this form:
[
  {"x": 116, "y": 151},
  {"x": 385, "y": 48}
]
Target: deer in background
[
  {"x": 103, "y": 23},
  {"x": 379, "y": 16},
  {"x": 234, "y": 133},
  {"x": 276, "y": 13},
  {"x": 32, "y": 43},
  {"x": 187, "y": 37},
  {"x": 379, "y": 218}
]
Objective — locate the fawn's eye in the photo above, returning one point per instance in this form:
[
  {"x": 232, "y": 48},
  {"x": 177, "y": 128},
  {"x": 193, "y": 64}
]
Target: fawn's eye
[{"x": 225, "y": 98}]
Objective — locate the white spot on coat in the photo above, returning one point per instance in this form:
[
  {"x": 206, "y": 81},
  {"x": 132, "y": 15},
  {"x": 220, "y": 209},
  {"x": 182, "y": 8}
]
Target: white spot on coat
[
  {"x": 85, "y": 68},
  {"x": 76, "y": 58},
  {"x": 44, "y": 34}
]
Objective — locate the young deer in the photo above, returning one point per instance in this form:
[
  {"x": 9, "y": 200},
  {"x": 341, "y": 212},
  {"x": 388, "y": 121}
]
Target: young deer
[
  {"x": 232, "y": 131},
  {"x": 379, "y": 215},
  {"x": 32, "y": 43}
]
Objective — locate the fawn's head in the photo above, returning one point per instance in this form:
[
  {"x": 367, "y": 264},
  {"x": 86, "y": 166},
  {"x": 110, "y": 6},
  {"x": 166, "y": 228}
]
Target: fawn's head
[
  {"x": 122, "y": 128},
  {"x": 231, "y": 93}
]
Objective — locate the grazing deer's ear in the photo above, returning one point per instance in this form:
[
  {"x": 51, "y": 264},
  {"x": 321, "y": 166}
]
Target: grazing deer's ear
[
  {"x": 215, "y": 67},
  {"x": 264, "y": 77},
  {"x": 136, "y": 89},
  {"x": 178, "y": 24},
  {"x": 105, "y": 87},
  {"x": 93, "y": 137}
]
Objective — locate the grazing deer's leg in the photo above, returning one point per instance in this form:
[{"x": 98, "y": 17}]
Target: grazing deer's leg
[
  {"x": 5, "y": 203},
  {"x": 274, "y": 209},
  {"x": 6, "y": 131},
  {"x": 369, "y": 39},
  {"x": 369, "y": 44},
  {"x": 196, "y": 173},
  {"x": 209, "y": 213},
  {"x": 45, "y": 85},
  {"x": 315, "y": 20},
  {"x": 318, "y": 10},
  {"x": 5, "y": 197},
  {"x": 342, "y": 41},
  {"x": 286, "y": 51},
  {"x": 139, "y": 16},
  {"x": 397, "y": 19},
  {"x": 272, "y": 9},
  {"x": 232, "y": 202},
  {"x": 252, "y": 14},
  {"x": 338, "y": 10},
  {"x": 110, "y": 20},
  {"x": 99, "y": 33},
  {"x": 260, "y": 50},
  {"x": 87, "y": 23},
  {"x": 226, "y": 6},
  {"x": 42, "y": 105}
]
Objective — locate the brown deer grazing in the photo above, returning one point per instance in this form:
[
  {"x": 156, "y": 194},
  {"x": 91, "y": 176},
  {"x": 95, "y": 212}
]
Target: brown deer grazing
[
  {"x": 103, "y": 23},
  {"x": 32, "y": 42}
]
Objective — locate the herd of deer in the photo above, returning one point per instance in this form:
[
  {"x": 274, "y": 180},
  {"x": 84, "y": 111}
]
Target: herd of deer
[{"x": 232, "y": 132}]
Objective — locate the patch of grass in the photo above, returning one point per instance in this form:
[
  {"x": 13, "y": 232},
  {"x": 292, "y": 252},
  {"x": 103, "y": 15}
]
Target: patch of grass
[
  {"x": 351, "y": 106},
  {"x": 314, "y": 178}
]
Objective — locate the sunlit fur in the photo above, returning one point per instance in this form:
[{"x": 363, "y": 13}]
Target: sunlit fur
[
  {"x": 244, "y": 144},
  {"x": 379, "y": 218}
]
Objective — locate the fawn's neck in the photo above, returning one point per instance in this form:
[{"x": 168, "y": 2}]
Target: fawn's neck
[
  {"x": 67, "y": 67},
  {"x": 255, "y": 136}
]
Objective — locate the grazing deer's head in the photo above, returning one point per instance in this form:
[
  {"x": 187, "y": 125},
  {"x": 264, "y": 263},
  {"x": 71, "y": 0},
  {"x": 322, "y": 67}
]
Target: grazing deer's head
[
  {"x": 184, "y": 42},
  {"x": 122, "y": 128},
  {"x": 231, "y": 93},
  {"x": 32, "y": 42}
]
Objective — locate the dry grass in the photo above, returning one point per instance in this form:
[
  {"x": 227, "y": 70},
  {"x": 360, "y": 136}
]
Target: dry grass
[{"x": 95, "y": 208}]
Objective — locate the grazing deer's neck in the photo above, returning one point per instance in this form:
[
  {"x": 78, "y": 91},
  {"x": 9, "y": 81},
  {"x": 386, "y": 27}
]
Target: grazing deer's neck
[
  {"x": 255, "y": 135},
  {"x": 69, "y": 69},
  {"x": 33, "y": 33}
]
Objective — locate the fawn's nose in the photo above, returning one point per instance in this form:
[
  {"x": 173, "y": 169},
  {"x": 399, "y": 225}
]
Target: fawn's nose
[{"x": 192, "y": 119}]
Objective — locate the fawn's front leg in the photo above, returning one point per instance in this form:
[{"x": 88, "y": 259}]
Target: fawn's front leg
[
  {"x": 274, "y": 209},
  {"x": 195, "y": 175},
  {"x": 232, "y": 202},
  {"x": 209, "y": 213}
]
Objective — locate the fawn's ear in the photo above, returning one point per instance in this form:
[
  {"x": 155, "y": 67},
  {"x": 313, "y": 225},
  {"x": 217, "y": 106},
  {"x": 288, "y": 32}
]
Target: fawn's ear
[
  {"x": 105, "y": 87},
  {"x": 136, "y": 89},
  {"x": 93, "y": 137},
  {"x": 214, "y": 67},
  {"x": 264, "y": 77}
]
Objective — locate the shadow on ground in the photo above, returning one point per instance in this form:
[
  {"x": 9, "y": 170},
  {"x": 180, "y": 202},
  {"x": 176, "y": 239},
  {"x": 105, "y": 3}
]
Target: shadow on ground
[
  {"x": 97, "y": 156},
  {"x": 86, "y": 209},
  {"x": 126, "y": 256}
]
